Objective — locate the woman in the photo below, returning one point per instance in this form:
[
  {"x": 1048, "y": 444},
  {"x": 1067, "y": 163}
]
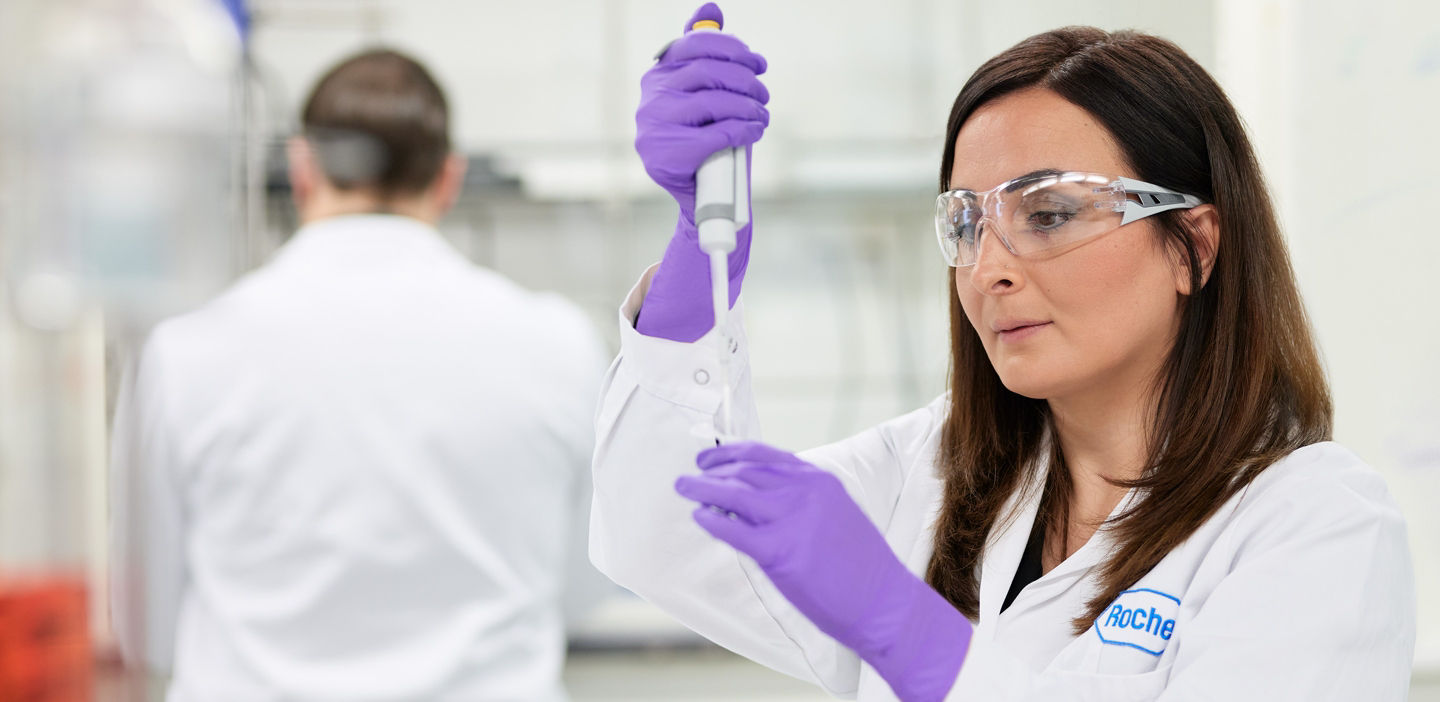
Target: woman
[{"x": 1129, "y": 488}]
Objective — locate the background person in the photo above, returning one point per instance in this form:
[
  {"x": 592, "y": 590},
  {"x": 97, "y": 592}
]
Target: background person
[{"x": 363, "y": 469}]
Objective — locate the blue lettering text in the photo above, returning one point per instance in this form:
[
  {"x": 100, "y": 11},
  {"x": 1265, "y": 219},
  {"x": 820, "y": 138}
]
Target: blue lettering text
[
  {"x": 1151, "y": 622},
  {"x": 1142, "y": 625}
]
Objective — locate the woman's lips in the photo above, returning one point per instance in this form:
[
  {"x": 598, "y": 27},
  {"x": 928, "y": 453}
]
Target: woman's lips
[{"x": 1023, "y": 332}]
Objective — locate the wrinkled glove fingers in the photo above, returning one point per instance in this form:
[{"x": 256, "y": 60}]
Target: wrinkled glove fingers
[
  {"x": 730, "y": 495},
  {"x": 706, "y": 140},
  {"x": 765, "y": 477},
  {"x": 743, "y": 537},
  {"x": 708, "y": 107},
  {"x": 751, "y": 451},
  {"x": 688, "y": 147},
  {"x": 706, "y": 74},
  {"x": 713, "y": 45}
]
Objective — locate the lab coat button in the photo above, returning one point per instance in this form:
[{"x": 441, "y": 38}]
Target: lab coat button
[{"x": 701, "y": 377}]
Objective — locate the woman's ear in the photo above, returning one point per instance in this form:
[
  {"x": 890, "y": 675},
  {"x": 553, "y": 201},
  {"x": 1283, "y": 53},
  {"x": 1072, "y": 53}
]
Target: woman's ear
[{"x": 1204, "y": 226}]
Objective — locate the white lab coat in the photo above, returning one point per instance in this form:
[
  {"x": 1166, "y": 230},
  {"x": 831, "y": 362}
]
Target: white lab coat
[
  {"x": 363, "y": 474},
  {"x": 1299, "y": 588}
]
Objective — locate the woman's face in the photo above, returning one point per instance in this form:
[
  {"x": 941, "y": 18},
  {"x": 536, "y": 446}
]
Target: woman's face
[{"x": 1099, "y": 318}]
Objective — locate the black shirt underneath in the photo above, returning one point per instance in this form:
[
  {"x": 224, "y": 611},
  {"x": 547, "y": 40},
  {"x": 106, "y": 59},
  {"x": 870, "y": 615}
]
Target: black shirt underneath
[{"x": 1029, "y": 570}]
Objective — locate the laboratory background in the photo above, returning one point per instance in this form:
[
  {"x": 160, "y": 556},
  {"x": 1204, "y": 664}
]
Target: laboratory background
[{"x": 142, "y": 168}]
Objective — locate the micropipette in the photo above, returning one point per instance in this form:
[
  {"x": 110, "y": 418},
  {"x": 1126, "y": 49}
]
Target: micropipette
[{"x": 722, "y": 206}]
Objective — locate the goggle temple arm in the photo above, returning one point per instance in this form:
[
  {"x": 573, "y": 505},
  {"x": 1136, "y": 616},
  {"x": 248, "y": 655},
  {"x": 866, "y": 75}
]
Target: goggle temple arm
[{"x": 1153, "y": 199}]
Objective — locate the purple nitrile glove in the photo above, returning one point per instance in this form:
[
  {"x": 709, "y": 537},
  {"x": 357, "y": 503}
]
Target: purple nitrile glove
[
  {"x": 831, "y": 562},
  {"x": 700, "y": 97}
]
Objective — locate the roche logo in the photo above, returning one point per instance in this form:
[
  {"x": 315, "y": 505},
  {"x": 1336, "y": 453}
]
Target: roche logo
[{"x": 1142, "y": 619}]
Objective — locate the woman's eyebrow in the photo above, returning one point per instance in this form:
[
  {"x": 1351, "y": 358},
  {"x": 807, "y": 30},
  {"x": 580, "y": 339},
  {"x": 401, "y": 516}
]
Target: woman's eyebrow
[
  {"x": 1031, "y": 177},
  {"x": 1021, "y": 181}
]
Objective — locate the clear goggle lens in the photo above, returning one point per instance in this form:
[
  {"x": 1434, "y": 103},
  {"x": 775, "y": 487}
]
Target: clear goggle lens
[{"x": 1048, "y": 214}]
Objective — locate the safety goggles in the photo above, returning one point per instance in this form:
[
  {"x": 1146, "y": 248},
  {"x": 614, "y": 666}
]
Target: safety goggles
[{"x": 1046, "y": 213}]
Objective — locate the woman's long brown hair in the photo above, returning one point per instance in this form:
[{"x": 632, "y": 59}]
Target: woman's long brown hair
[{"x": 1243, "y": 385}]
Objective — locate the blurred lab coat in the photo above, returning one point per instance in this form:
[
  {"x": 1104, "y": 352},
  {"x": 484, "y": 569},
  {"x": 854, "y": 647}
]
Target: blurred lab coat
[
  {"x": 360, "y": 474},
  {"x": 1298, "y": 589}
]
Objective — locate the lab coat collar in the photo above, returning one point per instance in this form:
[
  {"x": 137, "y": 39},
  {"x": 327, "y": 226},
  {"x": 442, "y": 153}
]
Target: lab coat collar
[
  {"x": 1005, "y": 548},
  {"x": 1006, "y": 545},
  {"x": 361, "y": 238}
]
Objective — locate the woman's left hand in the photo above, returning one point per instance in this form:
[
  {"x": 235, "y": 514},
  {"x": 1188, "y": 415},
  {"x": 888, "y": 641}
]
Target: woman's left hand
[{"x": 831, "y": 562}]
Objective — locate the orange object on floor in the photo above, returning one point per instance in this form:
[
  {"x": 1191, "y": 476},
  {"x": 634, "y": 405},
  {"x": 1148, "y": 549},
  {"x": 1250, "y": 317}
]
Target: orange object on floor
[{"x": 45, "y": 653}]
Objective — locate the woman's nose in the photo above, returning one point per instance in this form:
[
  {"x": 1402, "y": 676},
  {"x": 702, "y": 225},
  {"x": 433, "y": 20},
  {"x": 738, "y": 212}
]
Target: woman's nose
[{"x": 996, "y": 270}]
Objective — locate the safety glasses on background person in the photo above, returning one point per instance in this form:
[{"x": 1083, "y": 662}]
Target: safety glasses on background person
[{"x": 1046, "y": 212}]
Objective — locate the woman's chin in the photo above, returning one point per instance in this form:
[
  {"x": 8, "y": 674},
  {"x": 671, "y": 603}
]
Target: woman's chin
[
  {"x": 1029, "y": 383},
  {"x": 1032, "y": 392}
]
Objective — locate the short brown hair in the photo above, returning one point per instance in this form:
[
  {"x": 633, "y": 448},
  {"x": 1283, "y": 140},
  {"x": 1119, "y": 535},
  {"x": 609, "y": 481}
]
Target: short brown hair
[
  {"x": 1243, "y": 385},
  {"x": 378, "y": 120}
]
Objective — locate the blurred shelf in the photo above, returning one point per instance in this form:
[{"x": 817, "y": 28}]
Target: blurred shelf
[
  {"x": 627, "y": 623},
  {"x": 706, "y": 674}
]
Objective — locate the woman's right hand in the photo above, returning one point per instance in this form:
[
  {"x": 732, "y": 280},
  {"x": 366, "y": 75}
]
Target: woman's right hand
[{"x": 702, "y": 95}]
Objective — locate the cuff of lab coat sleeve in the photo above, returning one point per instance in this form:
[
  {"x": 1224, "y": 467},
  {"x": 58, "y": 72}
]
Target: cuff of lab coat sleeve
[{"x": 682, "y": 373}]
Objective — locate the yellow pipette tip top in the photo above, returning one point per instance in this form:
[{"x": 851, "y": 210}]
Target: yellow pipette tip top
[{"x": 706, "y": 24}]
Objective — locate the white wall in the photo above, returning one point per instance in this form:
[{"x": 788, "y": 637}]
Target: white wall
[{"x": 1364, "y": 153}]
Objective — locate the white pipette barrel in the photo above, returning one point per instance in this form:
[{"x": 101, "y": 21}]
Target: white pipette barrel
[{"x": 722, "y": 206}]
